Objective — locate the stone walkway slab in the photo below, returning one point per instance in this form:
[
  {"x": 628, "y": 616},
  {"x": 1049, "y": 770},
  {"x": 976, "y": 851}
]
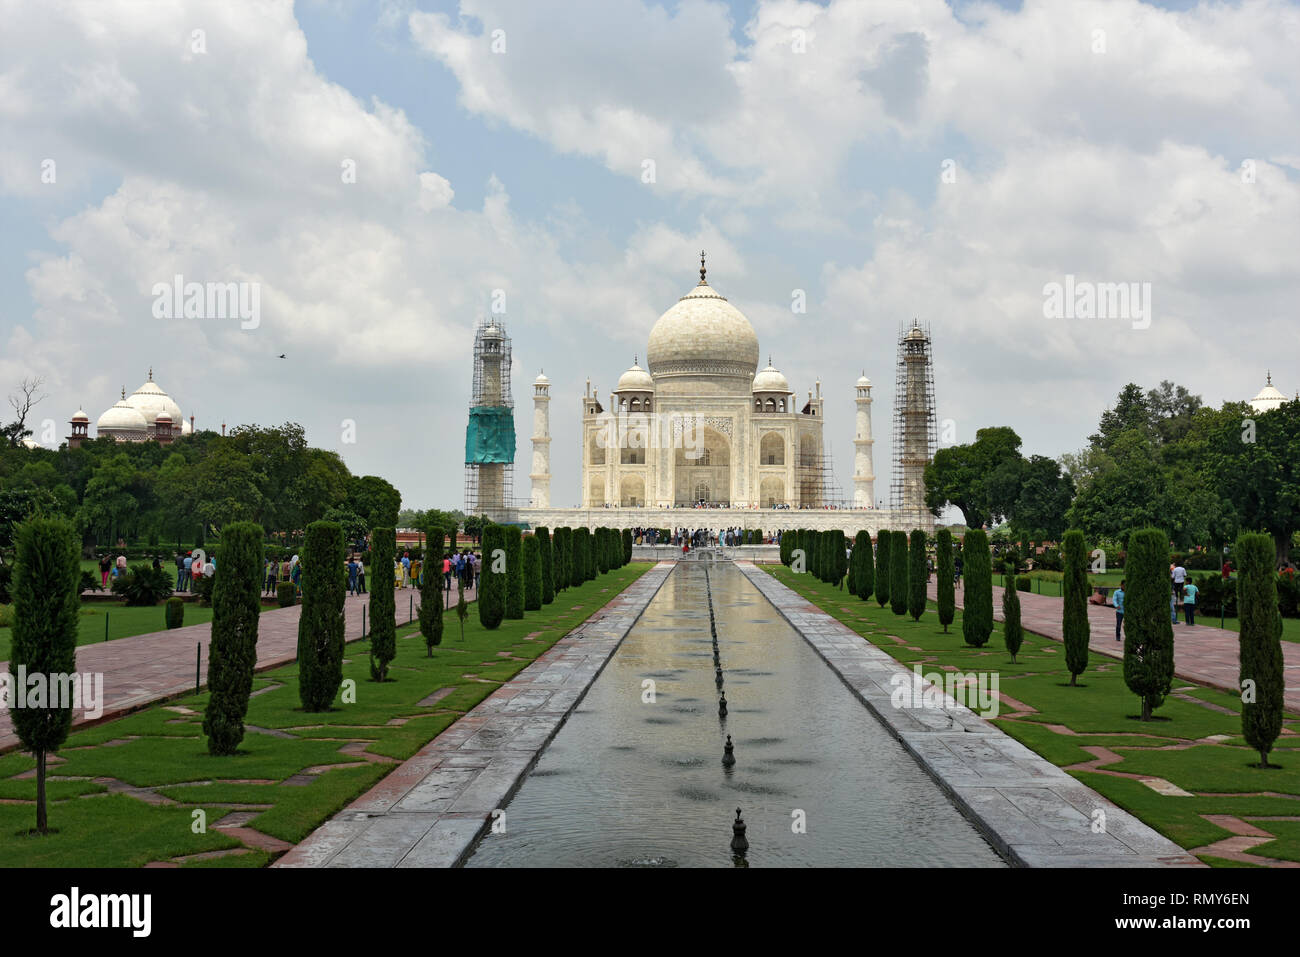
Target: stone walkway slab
[
  {"x": 1031, "y": 811},
  {"x": 432, "y": 808}
]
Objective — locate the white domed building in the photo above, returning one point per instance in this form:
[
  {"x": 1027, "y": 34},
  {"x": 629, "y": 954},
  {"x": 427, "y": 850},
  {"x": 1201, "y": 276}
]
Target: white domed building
[
  {"x": 148, "y": 415},
  {"x": 701, "y": 423},
  {"x": 1269, "y": 397}
]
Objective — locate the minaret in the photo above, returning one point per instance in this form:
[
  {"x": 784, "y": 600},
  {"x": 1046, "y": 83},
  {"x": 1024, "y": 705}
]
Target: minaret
[
  {"x": 864, "y": 474},
  {"x": 541, "y": 474},
  {"x": 490, "y": 435}
]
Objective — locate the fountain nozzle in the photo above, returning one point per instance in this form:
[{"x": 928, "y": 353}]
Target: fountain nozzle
[
  {"x": 738, "y": 842},
  {"x": 728, "y": 754}
]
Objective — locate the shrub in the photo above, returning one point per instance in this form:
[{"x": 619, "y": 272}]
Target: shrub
[
  {"x": 514, "y": 572},
  {"x": 175, "y": 613},
  {"x": 89, "y": 582},
  {"x": 142, "y": 585},
  {"x": 1023, "y": 582},
  {"x": 1148, "y": 633},
  {"x": 232, "y": 653},
  {"x": 627, "y": 546},
  {"x": 977, "y": 616},
  {"x": 581, "y": 555},
  {"x": 532, "y": 574},
  {"x": 431, "y": 598},
  {"x": 1012, "y": 633},
  {"x": 603, "y": 563},
  {"x": 547, "y": 552},
  {"x": 945, "y": 572},
  {"x": 202, "y": 589},
  {"x": 46, "y": 605},
  {"x": 320, "y": 626},
  {"x": 898, "y": 559},
  {"x": 918, "y": 575},
  {"x": 787, "y": 547},
  {"x": 1260, "y": 644},
  {"x": 383, "y": 603},
  {"x": 492, "y": 578},
  {"x": 562, "y": 545},
  {"x": 884, "y": 538},
  {"x": 285, "y": 594},
  {"x": 1075, "y": 629}
]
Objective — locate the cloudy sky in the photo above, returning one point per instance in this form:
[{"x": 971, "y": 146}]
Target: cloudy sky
[{"x": 889, "y": 158}]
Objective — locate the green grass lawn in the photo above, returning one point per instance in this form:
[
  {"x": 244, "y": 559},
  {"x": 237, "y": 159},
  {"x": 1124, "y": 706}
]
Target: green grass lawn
[
  {"x": 122, "y": 622},
  {"x": 162, "y": 748},
  {"x": 1102, "y": 713}
]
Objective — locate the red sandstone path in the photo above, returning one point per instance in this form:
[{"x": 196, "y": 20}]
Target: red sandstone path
[
  {"x": 146, "y": 668},
  {"x": 1202, "y": 653}
]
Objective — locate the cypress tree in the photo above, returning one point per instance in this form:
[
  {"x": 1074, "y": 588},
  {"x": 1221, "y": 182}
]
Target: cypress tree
[
  {"x": 884, "y": 538},
  {"x": 1012, "y": 633},
  {"x": 232, "y": 652},
  {"x": 532, "y": 574},
  {"x": 1260, "y": 644},
  {"x": 627, "y": 546},
  {"x": 602, "y": 550},
  {"x": 977, "y": 566},
  {"x": 591, "y": 562},
  {"x": 945, "y": 572},
  {"x": 829, "y": 564},
  {"x": 865, "y": 576},
  {"x": 1075, "y": 628},
  {"x": 581, "y": 538},
  {"x": 917, "y": 575},
  {"x": 431, "y": 600},
  {"x": 547, "y": 550},
  {"x": 563, "y": 558},
  {"x": 45, "y": 591},
  {"x": 383, "y": 602},
  {"x": 492, "y": 578},
  {"x": 855, "y": 561},
  {"x": 1148, "y": 632},
  {"x": 787, "y": 548},
  {"x": 320, "y": 626},
  {"x": 898, "y": 573},
  {"x": 514, "y": 572}
]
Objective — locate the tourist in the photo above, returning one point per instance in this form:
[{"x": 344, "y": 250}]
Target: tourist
[
  {"x": 196, "y": 572},
  {"x": 105, "y": 565},
  {"x": 1180, "y": 577},
  {"x": 269, "y": 572},
  {"x": 1098, "y": 597},
  {"x": 210, "y": 568},
  {"x": 180, "y": 571},
  {"x": 1227, "y": 569},
  {"x": 1173, "y": 605},
  {"x": 352, "y": 575},
  {"x": 296, "y": 576},
  {"x": 121, "y": 564},
  {"x": 185, "y": 571},
  {"x": 361, "y": 576},
  {"x": 406, "y": 569},
  {"x": 1117, "y": 599},
  {"x": 446, "y": 573},
  {"x": 1190, "y": 592}
]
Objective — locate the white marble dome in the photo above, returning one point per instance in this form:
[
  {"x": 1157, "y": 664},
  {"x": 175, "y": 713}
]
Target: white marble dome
[
  {"x": 635, "y": 379},
  {"x": 150, "y": 400},
  {"x": 769, "y": 380},
  {"x": 703, "y": 334},
  {"x": 1269, "y": 397},
  {"x": 122, "y": 417}
]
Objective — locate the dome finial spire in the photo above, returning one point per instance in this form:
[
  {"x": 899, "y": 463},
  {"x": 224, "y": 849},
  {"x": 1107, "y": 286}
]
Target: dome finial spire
[
  {"x": 1270, "y": 376},
  {"x": 151, "y": 373},
  {"x": 124, "y": 392},
  {"x": 702, "y": 270}
]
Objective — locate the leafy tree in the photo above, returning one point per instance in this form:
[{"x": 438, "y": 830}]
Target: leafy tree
[
  {"x": 1075, "y": 628},
  {"x": 320, "y": 626},
  {"x": 232, "y": 653},
  {"x": 547, "y": 550},
  {"x": 431, "y": 600},
  {"x": 46, "y": 606},
  {"x": 977, "y": 615},
  {"x": 1262, "y": 679},
  {"x": 945, "y": 577},
  {"x": 383, "y": 602},
  {"x": 492, "y": 578},
  {"x": 1148, "y": 633},
  {"x": 981, "y": 479},
  {"x": 532, "y": 574},
  {"x": 514, "y": 572},
  {"x": 1045, "y": 495},
  {"x": 898, "y": 573},
  {"x": 1253, "y": 460},
  {"x": 884, "y": 539},
  {"x": 375, "y": 500},
  {"x": 918, "y": 575},
  {"x": 1012, "y": 633},
  {"x": 143, "y": 585}
]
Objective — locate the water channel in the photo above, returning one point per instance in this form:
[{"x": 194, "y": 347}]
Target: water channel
[{"x": 633, "y": 783}]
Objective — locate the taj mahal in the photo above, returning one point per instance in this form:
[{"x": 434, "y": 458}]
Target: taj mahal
[{"x": 701, "y": 426}]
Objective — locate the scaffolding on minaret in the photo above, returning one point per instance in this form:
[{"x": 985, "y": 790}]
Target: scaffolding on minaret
[
  {"x": 490, "y": 433},
  {"x": 915, "y": 435},
  {"x": 818, "y": 487}
]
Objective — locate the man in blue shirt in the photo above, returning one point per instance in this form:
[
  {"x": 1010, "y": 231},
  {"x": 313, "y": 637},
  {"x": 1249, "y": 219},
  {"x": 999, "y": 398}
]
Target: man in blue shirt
[
  {"x": 1117, "y": 599},
  {"x": 1189, "y": 602}
]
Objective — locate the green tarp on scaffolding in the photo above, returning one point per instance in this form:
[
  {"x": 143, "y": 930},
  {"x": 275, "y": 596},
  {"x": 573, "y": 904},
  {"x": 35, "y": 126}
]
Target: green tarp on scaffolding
[{"x": 490, "y": 435}]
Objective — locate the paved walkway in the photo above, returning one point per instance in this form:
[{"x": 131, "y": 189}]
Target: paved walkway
[
  {"x": 429, "y": 811},
  {"x": 146, "y": 668},
  {"x": 1031, "y": 811},
  {"x": 1205, "y": 653}
]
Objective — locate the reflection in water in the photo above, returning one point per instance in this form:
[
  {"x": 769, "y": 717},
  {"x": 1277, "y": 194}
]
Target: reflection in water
[{"x": 632, "y": 784}]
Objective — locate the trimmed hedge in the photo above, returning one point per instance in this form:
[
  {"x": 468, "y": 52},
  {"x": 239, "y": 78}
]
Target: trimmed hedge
[
  {"x": 320, "y": 626},
  {"x": 532, "y": 574},
  {"x": 1260, "y": 644},
  {"x": 175, "y": 613},
  {"x": 1148, "y": 632},
  {"x": 232, "y": 653},
  {"x": 383, "y": 603},
  {"x": 946, "y": 571},
  {"x": 492, "y": 578},
  {"x": 977, "y": 568},
  {"x": 431, "y": 593}
]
